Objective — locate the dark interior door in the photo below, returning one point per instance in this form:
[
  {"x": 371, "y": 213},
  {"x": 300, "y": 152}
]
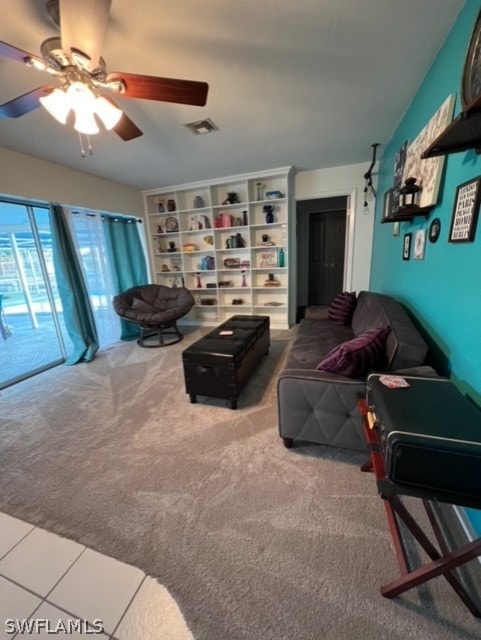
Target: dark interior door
[{"x": 327, "y": 232}]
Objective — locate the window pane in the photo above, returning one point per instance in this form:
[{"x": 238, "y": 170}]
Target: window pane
[
  {"x": 91, "y": 245},
  {"x": 30, "y": 336}
]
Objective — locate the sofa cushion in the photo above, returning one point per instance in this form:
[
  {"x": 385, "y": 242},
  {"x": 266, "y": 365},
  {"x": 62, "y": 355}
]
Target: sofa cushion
[
  {"x": 314, "y": 340},
  {"x": 358, "y": 356},
  {"x": 342, "y": 307},
  {"x": 405, "y": 346}
]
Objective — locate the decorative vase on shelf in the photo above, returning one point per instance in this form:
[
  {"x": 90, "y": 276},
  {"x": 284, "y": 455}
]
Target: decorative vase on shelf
[
  {"x": 259, "y": 191},
  {"x": 269, "y": 211},
  {"x": 281, "y": 258}
]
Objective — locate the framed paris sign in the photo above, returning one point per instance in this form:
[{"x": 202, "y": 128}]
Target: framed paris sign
[{"x": 465, "y": 212}]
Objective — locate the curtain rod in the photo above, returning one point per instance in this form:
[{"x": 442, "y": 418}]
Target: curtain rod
[{"x": 109, "y": 217}]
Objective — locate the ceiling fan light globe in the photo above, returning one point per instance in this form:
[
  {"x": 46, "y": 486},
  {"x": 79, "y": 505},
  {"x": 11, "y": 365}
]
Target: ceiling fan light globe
[
  {"x": 81, "y": 97},
  {"x": 57, "y": 104},
  {"x": 108, "y": 113},
  {"x": 85, "y": 123}
]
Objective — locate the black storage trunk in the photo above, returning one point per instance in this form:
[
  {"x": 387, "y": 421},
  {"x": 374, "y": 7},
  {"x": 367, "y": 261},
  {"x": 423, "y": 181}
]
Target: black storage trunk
[
  {"x": 430, "y": 437},
  {"x": 218, "y": 366}
]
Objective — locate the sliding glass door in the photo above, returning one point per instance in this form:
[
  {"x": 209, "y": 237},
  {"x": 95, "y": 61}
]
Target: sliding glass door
[
  {"x": 31, "y": 322},
  {"x": 33, "y": 336}
]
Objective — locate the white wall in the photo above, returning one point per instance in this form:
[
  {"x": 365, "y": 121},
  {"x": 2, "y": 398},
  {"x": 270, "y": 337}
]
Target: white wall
[
  {"x": 28, "y": 177},
  {"x": 347, "y": 180}
]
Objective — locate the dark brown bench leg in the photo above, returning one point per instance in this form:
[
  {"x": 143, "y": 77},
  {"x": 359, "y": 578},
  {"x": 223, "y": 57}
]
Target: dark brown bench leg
[
  {"x": 288, "y": 442},
  {"x": 233, "y": 403},
  {"x": 193, "y": 398}
]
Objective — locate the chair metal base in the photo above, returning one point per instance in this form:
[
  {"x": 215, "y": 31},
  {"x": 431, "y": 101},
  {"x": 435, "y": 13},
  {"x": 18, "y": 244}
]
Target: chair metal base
[{"x": 160, "y": 332}]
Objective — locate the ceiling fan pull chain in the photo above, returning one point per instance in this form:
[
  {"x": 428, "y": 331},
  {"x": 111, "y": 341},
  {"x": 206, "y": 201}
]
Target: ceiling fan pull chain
[
  {"x": 82, "y": 147},
  {"x": 82, "y": 150}
]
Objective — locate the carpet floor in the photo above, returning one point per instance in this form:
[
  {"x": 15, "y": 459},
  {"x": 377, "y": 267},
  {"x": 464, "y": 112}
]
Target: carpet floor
[{"x": 253, "y": 541}]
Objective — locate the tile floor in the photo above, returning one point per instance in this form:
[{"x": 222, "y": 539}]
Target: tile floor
[{"x": 46, "y": 577}]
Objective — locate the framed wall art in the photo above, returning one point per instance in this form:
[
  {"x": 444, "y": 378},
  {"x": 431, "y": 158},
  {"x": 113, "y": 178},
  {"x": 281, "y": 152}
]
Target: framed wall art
[
  {"x": 428, "y": 172},
  {"x": 388, "y": 203},
  {"x": 399, "y": 162},
  {"x": 419, "y": 244},
  {"x": 465, "y": 211},
  {"x": 407, "y": 246}
]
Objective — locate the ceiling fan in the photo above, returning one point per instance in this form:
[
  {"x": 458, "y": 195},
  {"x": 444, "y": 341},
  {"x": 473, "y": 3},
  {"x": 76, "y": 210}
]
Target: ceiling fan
[{"x": 82, "y": 98}]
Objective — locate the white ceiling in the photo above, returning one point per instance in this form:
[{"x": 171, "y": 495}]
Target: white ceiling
[{"x": 310, "y": 83}]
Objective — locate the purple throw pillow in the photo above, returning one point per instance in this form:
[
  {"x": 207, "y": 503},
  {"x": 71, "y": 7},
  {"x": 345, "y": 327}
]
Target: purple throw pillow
[
  {"x": 342, "y": 307},
  {"x": 357, "y": 357}
]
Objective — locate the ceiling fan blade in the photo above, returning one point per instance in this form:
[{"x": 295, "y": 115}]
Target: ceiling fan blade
[
  {"x": 83, "y": 26},
  {"x": 162, "y": 89},
  {"x": 126, "y": 129},
  {"x": 24, "y": 104},
  {"x": 9, "y": 51}
]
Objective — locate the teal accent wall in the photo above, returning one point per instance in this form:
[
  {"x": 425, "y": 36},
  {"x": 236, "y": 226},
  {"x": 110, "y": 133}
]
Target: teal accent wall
[{"x": 443, "y": 291}]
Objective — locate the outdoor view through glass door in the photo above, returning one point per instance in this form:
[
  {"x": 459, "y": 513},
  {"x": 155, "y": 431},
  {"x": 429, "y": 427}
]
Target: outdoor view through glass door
[
  {"x": 33, "y": 336},
  {"x": 31, "y": 326}
]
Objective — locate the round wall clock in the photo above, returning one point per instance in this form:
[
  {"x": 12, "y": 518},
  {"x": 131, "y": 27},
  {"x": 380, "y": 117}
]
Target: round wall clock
[
  {"x": 171, "y": 224},
  {"x": 471, "y": 78}
]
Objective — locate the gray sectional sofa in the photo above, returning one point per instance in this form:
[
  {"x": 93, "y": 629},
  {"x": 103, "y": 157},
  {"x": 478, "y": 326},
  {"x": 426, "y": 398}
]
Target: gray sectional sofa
[{"x": 320, "y": 407}]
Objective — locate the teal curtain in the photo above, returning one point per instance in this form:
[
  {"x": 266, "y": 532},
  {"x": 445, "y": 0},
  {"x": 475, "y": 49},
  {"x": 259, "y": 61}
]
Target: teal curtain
[
  {"x": 77, "y": 312},
  {"x": 127, "y": 260}
]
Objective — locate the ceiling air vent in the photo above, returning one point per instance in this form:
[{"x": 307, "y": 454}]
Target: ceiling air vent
[{"x": 202, "y": 126}]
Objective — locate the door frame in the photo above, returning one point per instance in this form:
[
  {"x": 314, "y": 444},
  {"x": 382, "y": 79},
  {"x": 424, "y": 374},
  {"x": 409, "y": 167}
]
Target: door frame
[{"x": 349, "y": 240}]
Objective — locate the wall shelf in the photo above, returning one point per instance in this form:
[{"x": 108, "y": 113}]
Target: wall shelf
[
  {"x": 408, "y": 213},
  {"x": 462, "y": 134}
]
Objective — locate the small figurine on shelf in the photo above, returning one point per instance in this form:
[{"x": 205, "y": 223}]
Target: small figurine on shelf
[
  {"x": 171, "y": 205},
  {"x": 240, "y": 242},
  {"x": 199, "y": 281},
  {"x": 232, "y": 198},
  {"x": 199, "y": 202},
  {"x": 172, "y": 248},
  {"x": 265, "y": 240},
  {"x": 245, "y": 219},
  {"x": 271, "y": 281},
  {"x": 160, "y": 202},
  {"x": 161, "y": 226},
  {"x": 244, "y": 279},
  {"x": 269, "y": 211}
]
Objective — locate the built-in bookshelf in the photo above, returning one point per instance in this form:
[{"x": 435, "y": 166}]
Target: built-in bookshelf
[{"x": 227, "y": 241}]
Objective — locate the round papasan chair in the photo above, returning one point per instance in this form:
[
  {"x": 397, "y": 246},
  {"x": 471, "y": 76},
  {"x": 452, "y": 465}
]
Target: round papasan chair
[{"x": 155, "y": 309}]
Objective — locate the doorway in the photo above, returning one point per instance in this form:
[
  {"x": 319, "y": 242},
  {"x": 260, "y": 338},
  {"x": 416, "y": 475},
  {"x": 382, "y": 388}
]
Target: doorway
[{"x": 321, "y": 230}]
